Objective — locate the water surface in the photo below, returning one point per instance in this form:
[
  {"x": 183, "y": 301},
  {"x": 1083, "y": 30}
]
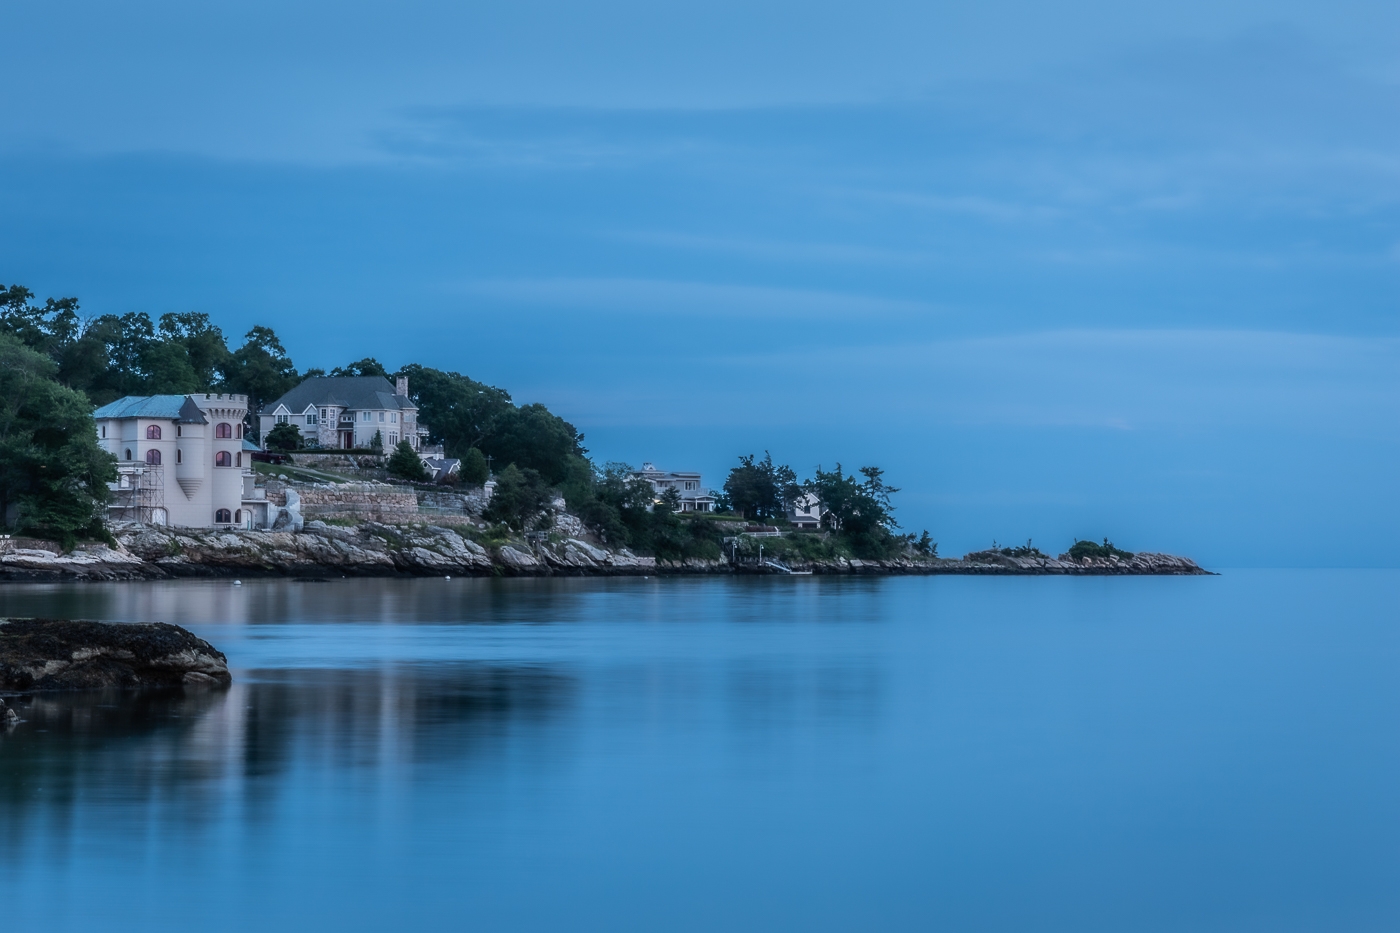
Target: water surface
[{"x": 770, "y": 754}]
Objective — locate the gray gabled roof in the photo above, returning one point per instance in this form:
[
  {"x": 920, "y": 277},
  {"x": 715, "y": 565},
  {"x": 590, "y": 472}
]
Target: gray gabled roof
[
  {"x": 174, "y": 407},
  {"x": 357, "y": 392}
]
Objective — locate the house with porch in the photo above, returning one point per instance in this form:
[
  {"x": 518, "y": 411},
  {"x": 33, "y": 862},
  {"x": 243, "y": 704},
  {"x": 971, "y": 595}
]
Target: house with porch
[
  {"x": 180, "y": 460},
  {"x": 694, "y": 496},
  {"x": 346, "y": 412}
]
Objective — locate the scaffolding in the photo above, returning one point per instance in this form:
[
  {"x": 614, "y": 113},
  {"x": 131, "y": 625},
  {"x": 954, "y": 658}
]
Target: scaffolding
[{"x": 138, "y": 495}]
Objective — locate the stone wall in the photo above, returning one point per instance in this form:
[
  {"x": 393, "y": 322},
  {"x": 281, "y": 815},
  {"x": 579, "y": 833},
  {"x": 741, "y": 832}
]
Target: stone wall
[{"x": 377, "y": 501}]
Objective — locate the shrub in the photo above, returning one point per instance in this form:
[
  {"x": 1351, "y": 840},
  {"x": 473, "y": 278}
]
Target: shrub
[
  {"x": 405, "y": 463},
  {"x": 520, "y": 495},
  {"x": 1082, "y": 549},
  {"x": 475, "y": 471},
  {"x": 284, "y": 437}
]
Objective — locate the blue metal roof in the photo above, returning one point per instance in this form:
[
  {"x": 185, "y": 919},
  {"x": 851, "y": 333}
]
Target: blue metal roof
[{"x": 143, "y": 406}]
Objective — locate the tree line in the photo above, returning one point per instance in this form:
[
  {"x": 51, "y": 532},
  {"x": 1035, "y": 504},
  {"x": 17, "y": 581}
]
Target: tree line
[{"x": 56, "y": 365}]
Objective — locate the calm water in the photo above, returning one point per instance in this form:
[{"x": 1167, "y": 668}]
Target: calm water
[{"x": 769, "y": 754}]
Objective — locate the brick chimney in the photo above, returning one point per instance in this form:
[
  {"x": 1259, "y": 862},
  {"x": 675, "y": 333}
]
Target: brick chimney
[{"x": 401, "y": 386}]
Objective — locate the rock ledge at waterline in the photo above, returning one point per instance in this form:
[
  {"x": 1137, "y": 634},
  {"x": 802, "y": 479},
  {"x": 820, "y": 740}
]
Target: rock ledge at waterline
[
  {"x": 375, "y": 549},
  {"x": 62, "y": 654}
]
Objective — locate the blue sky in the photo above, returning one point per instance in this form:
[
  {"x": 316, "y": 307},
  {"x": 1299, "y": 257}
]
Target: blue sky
[{"x": 1072, "y": 269}]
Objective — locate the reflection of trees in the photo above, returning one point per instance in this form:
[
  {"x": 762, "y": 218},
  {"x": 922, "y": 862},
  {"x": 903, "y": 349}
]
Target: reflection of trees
[{"x": 182, "y": 751}]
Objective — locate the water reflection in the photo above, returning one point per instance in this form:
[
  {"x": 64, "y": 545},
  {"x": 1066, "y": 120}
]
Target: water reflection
[{"x": 190, "y": 753}]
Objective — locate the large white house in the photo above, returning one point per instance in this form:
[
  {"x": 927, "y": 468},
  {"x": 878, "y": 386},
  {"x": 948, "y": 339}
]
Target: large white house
[
  {"x": 180, "y": 460},
  {"x": 694, "y": 496},
  {"x": 346, "y": 412}
]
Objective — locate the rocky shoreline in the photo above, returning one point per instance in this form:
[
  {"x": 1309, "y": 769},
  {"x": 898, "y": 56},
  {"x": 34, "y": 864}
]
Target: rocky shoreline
[{"x": 145, "y": 552}]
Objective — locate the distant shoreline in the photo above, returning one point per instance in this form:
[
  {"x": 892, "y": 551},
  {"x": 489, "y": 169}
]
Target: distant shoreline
[{"x": 373, "y": 549}]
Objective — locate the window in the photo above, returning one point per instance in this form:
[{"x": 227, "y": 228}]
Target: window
[
  {"x": 223, "y": 458},
  {"x": 153, "y": 456},
  {"x": 311, "y": 418},
  {"x": 394, "y": 417},
  {"x": 238, "y": 516},
  {"x": 281, "y": 419},
  {"x": 152, "y": 432},
  {"x": 323, "y": 413},
  {"x": 179, "y": 431},
  {"x": 381, "y": 416},
  {"x": 239, "y": 430},
  {"x": 223, "y": 517},
  {"x": 223, "y": 429},
  {"x": 128, "y": 453},
  {"x": 393, "y": 439},
  {"x": 179, "y": 456},
  {"x": 104, "y": 430},
  {"x": 367, "y": 416},
  {"x": 238, "y": 459}
]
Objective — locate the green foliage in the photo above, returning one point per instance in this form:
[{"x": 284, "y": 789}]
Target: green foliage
[
  {"x": 858, "y": 511},
  {"x": 460, "y": 411},
  {"x": 464, "y": 413},
  {"x": 261, "y": 370},
  {"x": 519, "y": 498},
  {"x": 376, "y": 443},
  {"x": 368, "y": 366},
  {"x": 405, "y": 462},
  {"x": 624, "y": 512},
  {"x": 53, "y": 474},
  {"x": 475, "y": 471},
  {"x": 111, "y": 356},
  {"x": 760, "y": 489},
  {"x": 1082, "y": 549},
  {"x": 283, "y": 437},
  {"x": 925, "y": 544}
]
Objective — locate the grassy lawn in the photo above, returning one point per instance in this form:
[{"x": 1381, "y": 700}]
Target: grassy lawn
[{"x": 301, "y": 474}]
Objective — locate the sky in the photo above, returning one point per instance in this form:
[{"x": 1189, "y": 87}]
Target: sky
[{"x": 1071, "y": 269}]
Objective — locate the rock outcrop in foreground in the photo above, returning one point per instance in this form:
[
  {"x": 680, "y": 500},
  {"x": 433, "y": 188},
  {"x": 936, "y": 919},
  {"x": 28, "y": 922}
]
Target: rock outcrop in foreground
[
  {"x": 58, "y": 654},
  {"x": 379, "y": 549}
]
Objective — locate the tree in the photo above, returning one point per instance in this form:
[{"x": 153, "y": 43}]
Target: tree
[
  {"x": 261, "y": 370},
  {"x": 460, "y": 412},
  {"x": 368, "y": 366},
  {"x": 475, "y": 470},
  {"x": 859, "y": 511},
  {"x": 283, "y": 437},
  {"x": 520, "y": 496},
  {"x": 53, "y": 474},
  {"x": 761, "y": 489},
  {"x": 404, "y": 462},
  {"x": 377, "y": 442}
]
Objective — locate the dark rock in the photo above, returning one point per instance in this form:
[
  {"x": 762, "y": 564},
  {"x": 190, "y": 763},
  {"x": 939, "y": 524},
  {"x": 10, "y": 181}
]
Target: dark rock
[{"x": 59, "y": 654}]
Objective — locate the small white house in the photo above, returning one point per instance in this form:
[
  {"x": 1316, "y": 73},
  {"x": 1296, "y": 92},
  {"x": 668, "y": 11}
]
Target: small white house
[
  {"x": 806, "y": 512},
  {"x": 694, "y": 496}
]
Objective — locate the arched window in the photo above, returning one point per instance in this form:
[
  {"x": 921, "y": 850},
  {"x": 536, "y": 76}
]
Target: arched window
[
  {"x": 128, "y": 453},
  {"x": 239, "y": 430},
  {"x": 153, "y": 432},
  {"x": 222, "y": 517},
  {"x": 238, "y": 459},
  {"x": 223, "y": 458},
  {"x": 179, "y": 456},
  {"x": 153, "y": 457},
  {"x": 223, "y": 429},
  {"x": 238, "y": 516}
]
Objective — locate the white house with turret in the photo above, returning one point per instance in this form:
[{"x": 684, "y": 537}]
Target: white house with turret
[{"x": 180, "y": 460}]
